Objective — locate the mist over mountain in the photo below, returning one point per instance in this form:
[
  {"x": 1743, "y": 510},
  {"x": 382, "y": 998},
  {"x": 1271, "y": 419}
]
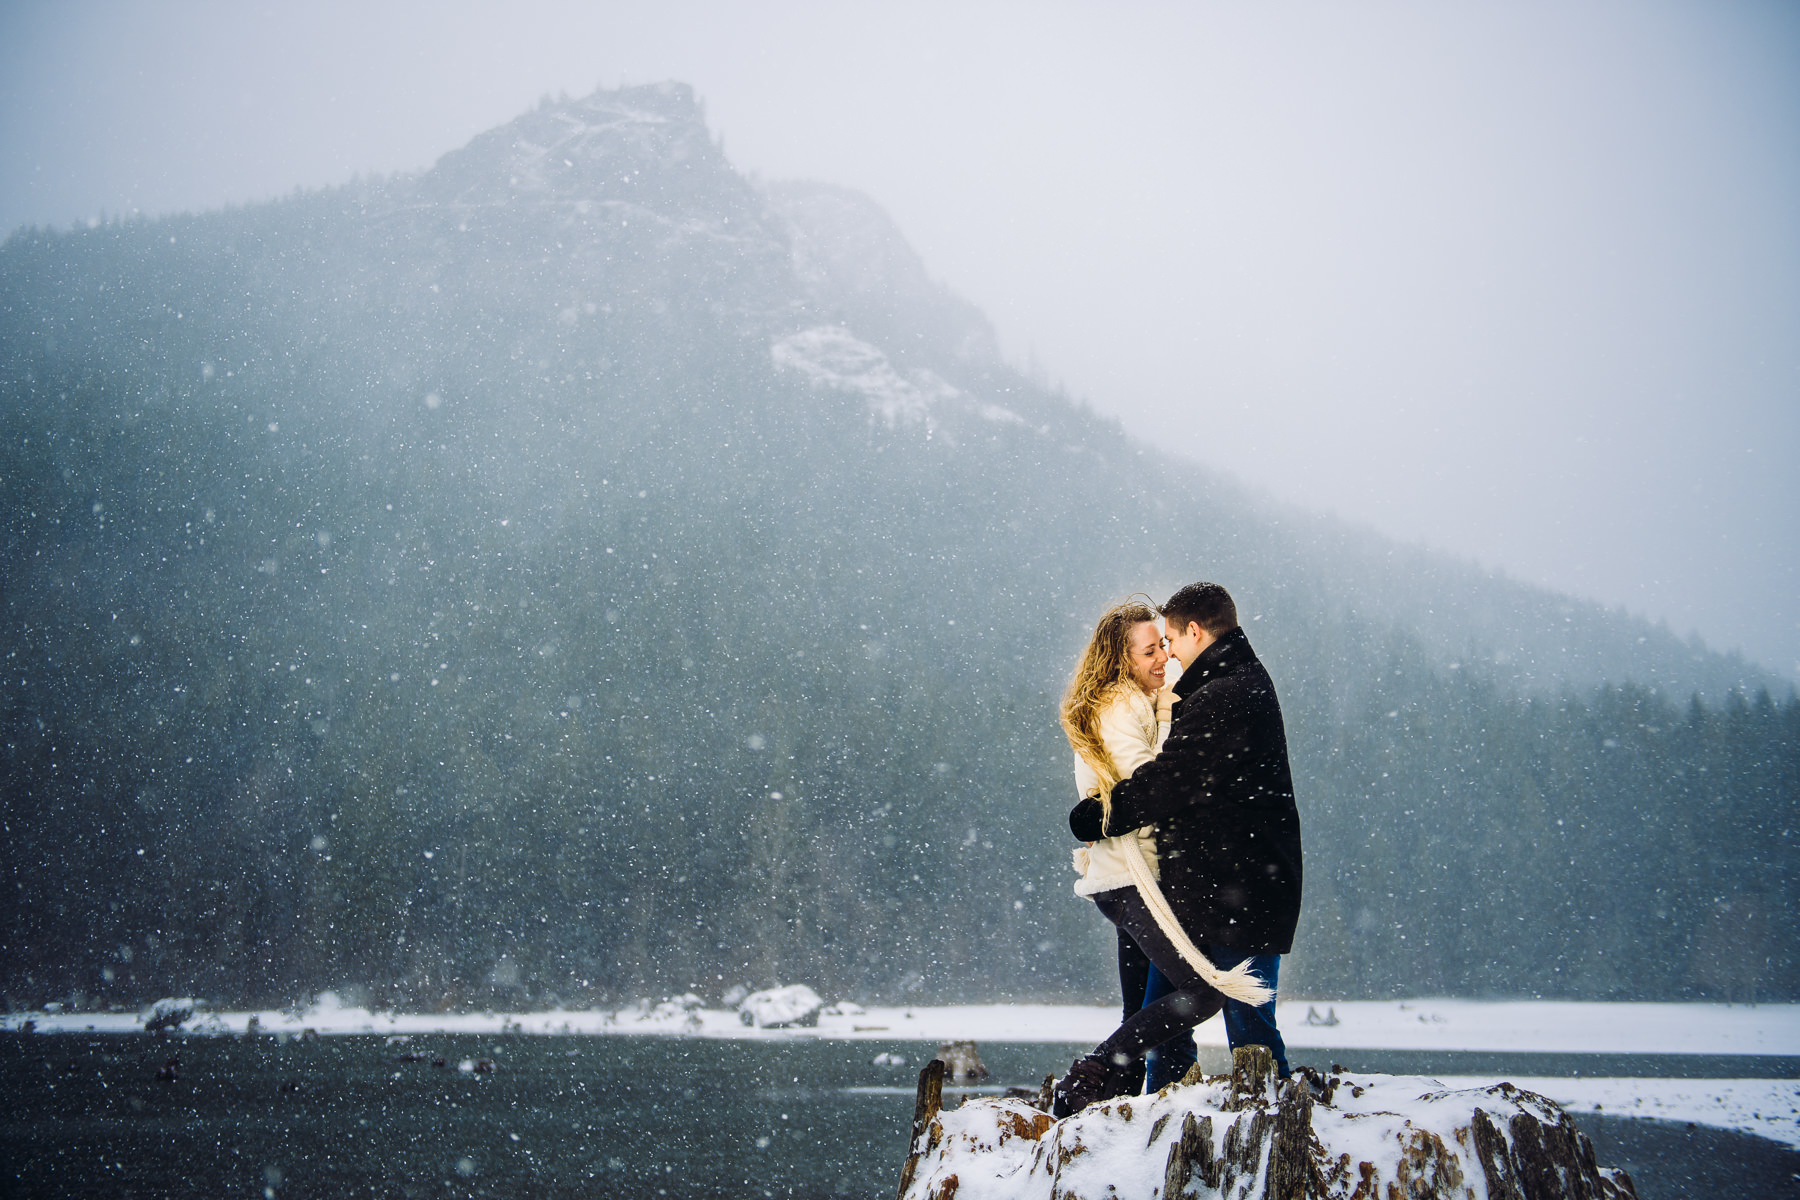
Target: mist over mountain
[{"x": 576, "y": 571}]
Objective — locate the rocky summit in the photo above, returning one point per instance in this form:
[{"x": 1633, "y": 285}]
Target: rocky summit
[{"x": 1338, "y": 1137}]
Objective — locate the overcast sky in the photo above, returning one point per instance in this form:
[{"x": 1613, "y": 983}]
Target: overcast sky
[{"x": 1518, "y": 280}]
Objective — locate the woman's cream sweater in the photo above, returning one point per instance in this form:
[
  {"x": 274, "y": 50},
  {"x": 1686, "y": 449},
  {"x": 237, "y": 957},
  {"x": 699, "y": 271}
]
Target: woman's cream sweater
[{"x": 1132, "y": 735}]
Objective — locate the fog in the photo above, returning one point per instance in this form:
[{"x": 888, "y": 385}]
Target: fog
[{"x": 1519, "y": 281}]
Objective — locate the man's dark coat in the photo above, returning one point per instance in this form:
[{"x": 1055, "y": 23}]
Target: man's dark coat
[{"x": 1222, "y": 799}]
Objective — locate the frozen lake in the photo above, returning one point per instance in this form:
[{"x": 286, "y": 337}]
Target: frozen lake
[{"x": 369, "y": 1115}]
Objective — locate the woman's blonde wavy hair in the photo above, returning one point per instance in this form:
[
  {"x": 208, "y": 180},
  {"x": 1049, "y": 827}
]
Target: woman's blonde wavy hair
[{"x": 1104, "y": 666}]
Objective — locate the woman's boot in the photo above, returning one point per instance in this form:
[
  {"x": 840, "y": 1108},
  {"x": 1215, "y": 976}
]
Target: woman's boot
[{"x": 1089, "y": 1081}]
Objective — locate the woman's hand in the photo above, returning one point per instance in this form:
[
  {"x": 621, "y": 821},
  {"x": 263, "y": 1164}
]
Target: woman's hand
[{"x": 1085, "y": 821}]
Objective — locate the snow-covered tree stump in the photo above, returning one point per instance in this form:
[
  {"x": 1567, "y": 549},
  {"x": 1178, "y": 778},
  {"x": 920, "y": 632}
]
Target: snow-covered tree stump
[
  {"x": 926, "y": 1105},
  {"x": 1252, "y": 1076},
  {"x": 1247, "y": 1137}
]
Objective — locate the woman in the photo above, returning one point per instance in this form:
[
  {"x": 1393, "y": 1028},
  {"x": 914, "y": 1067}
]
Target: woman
[{"x": 1116, "y": 715}]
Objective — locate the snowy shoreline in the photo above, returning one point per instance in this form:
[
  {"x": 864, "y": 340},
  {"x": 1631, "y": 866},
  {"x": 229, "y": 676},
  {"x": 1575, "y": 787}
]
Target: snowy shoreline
[
  {"x": 1764, "y": 1107},
  {"x": 1521, "y": 1026}
]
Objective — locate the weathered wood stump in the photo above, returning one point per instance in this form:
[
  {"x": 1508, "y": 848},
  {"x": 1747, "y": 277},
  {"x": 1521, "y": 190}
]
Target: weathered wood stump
[
  {"x": 1241, "y": 1153},
  {"x": 1496, "y": 1158},
  {"x": 1249, "y": 1137},
  {"x": 1191, "y": 1158},
  {"x": 1554, "y": 1161},
  {"x": 1293, "y": 1173},
  {"x": 926, "y": 1103},
  {"x": 1282, "y": 1138},
  {"x": 1252, "y": 1076}
]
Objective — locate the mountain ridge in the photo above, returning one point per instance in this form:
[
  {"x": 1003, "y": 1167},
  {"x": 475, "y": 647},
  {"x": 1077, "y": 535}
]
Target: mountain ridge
[
  {"x": 436, "y": 571},
  {"x": 646, "y": 149},
  {"x": 857, "y": 270}
]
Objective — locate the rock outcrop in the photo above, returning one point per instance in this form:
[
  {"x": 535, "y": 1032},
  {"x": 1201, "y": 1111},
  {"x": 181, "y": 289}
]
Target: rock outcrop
[
  {"x": 962, "y": 1061},
  {"x": 1338, "y": 1137},
  {"x": 781, "y": 1008}
]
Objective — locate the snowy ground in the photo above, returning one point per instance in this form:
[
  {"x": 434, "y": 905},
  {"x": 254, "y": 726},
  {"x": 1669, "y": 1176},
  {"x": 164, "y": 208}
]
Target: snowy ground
[
  {"x": 1769, "y": 1108},
  {"x": 1530, "y": 1026}
]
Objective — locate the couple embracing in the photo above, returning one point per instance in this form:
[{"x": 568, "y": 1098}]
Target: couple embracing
[{"x": 1191, "y": 839}]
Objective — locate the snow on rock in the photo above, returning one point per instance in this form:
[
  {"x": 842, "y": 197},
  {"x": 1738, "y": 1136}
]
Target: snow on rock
[
  {"x": 328, "y": 1011},
  {"x": 1363, "y": 1136},
  {"x": 645, "y": 151},
  {"x": 856, "y": 265},
  {"x": 779, "y": 1008},
  {"x": 169, "y": 1013},
  {"x": 682, "y": 1011},
  {"x": 831, "y": 356},
  {"x": 1768, "y": 1108}
]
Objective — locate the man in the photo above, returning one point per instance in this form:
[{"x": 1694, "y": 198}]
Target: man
[{"x": 1227, "y": 836}]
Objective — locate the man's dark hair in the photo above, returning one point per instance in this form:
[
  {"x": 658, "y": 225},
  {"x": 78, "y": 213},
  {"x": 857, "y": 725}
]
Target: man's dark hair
[{"x": 1206, "y": 604}]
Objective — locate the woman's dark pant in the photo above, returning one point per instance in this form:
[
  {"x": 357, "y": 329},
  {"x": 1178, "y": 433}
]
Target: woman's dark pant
[
  {"x": 1134, "y": 975},
  {"x": 1169, "y": 1062},
  {"x": 1140, "y": 983},
  {"x": 1191, "y": 1002}
]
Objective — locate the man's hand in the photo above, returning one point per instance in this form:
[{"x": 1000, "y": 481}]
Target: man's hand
[{"x": 1086, "y": 820}]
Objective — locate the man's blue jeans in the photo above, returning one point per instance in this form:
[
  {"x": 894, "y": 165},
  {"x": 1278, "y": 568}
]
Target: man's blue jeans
[{"x": 1244, "y": 1025}]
